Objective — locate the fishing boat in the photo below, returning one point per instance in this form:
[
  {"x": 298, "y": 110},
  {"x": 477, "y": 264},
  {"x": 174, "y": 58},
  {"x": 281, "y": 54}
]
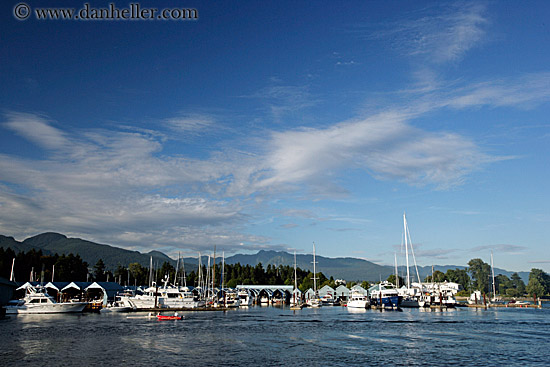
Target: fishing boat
[{"x": 37, "y": 301}]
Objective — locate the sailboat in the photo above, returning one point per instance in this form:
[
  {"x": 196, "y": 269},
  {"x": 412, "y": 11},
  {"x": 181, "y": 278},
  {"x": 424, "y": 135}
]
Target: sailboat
[
  {"x": 409, "y": 295},
  {"x": 494, "y": 299},
  {"x": 315, "y": 301},
  {"x": 295, "y": 304}
]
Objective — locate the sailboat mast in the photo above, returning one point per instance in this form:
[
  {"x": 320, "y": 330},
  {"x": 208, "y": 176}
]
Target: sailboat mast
[
  {"x": 396, "y": 273},
  {"x": 406, "y": 250},
  {"x": 200, "y": 272},
  {"x": 493, "y": 274},
  {"x": 177, "y": 270},
  {"x": 223, "y": 267},
  {"x": 12, "y": 275},
  {"x": 295, "y": 279},
  {"x": 213, "y": 272},
  {"x": 314, "y": 272}
]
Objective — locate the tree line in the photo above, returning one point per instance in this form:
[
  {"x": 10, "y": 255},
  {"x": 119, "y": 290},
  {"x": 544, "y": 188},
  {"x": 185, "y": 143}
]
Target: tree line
[
  {"x": 39, "y": 267},
  {"x": 71, "y": 267}
]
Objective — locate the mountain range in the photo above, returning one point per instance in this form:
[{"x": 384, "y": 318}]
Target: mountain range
[{"x": 347, "y": 268}]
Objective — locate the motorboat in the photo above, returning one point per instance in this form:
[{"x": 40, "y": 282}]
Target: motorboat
[
  {"x": 314, "y": 302},
  {"x": 384, "y": 295},
  {"x": 327, "y": 300},
  {"x": 37, "y": 301},
  {"x": 358, "y": 300},
  {"x": 245, "y": 297},
  {"x": 232, "y": 299},
  {"x": 117, "y": 306},
  {"x": 165, "y": 297}
]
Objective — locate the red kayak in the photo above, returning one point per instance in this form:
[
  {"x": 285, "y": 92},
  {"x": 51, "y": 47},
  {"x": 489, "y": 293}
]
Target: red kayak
[{"x": 165, "y": 317}]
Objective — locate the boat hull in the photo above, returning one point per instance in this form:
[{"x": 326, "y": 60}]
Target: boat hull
[{"x": 68, "y": 307}]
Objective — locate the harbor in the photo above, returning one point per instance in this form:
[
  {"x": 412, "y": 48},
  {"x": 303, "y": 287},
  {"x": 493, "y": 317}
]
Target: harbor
[{"x": 257, "y": 335}]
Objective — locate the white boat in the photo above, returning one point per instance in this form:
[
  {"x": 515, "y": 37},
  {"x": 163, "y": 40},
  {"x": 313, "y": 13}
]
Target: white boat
[
  {"x": 165, "y": 297},
  {"x": 314, "y": 302},
  {"x": 476, "y": 298},
  {"x": 246, "y": 298},
  {"x": 384, "y": 295},
  {"x": 117, "y": 306},
  {"x": 358, "y": 300},
  {"x": 232, "y": 299},
  {"x": 37, "y": 301}
]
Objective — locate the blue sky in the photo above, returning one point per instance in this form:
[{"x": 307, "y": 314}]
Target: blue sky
[{"x": 270, "y": 125}]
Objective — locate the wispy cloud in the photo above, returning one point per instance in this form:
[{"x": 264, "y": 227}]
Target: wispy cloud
[
  {"x": 283, "y": 100},
  {"x": 383, "y": 145},
  {"x": 506, "y": 248},
  {"x": 524, "y": 91},
  {"x": 438, "y": 34},
  {"x": 36, "y": 129},
  {"x": 192, "y": 123},
  {"x": 435, "y": 253}
]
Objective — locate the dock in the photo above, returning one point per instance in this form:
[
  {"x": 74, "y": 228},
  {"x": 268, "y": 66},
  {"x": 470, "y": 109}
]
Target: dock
[{"x": 492, "y": 305}]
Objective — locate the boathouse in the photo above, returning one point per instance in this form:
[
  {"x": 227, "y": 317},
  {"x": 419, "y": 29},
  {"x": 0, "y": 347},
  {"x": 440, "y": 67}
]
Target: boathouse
[
  {"x": 74, "y": 291},
  {"x": 327, "y": 291},
  {"x": 54, "y": 289},
  {"x": 259, "y": 291},
  {"x": 342, "y": 293},
  {"x": 309, "y": 294},
  {"x": 7, "y": 288},
  {"x": 104, "y": 291},
  {"x": 358, "y": 288}
]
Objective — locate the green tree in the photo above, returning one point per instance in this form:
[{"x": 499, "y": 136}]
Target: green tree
[
  {"x": 480, "y": 272},
  {"x": 459, "y": 276},
  {"x": 99, "y": 271},
  {"x": 539, "y": 283},
  {"x": 518, "y": 285},
  {"x": 438, "y": 277},
  {"x": 138, "y": 274},
  {"x": 391, "y": 279}
]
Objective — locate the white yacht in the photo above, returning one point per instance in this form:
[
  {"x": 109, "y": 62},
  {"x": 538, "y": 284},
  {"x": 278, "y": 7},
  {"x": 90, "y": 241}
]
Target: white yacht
[
  {"x": 232, "y": 299},
  {"x": 36, "y": 301},
  {"x": 245, "y": 297},
  {"x": 384, "y": 295},
  {"x": 358, "y": 300},
  {"x": 165, "y": 297}
]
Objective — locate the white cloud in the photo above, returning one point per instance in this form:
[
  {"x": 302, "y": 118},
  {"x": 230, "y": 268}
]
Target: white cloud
[
  {"x": 439, "y": 34},
  {"x": 383, "y": 145},
  {"x": 524, "y": 91},
  {"x": 36, "y": 129},
  {"x": 191, "y": 123}
]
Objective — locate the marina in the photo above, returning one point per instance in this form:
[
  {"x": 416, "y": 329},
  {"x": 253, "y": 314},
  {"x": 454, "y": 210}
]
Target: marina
[{"x": 335, "y": 336}]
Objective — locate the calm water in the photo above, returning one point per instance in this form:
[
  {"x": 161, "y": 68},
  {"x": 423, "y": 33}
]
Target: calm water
[{"x": 330, "y": 336}]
